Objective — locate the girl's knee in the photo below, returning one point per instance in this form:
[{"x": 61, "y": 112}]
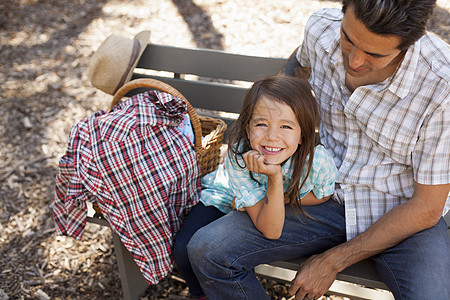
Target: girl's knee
[
  {"x": 200, "y": 247},
  {"x": 195, "y": 248}
]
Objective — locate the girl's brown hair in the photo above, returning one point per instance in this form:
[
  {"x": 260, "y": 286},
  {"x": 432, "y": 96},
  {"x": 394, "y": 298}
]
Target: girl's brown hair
[{"x": 296, "y": 93}]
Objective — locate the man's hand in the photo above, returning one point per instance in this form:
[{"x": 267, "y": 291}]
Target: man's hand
[{"x": 313, "y": 278}]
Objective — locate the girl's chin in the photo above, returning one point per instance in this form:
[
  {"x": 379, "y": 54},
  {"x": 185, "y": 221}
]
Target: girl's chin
[{"x": 272, "y": 161}]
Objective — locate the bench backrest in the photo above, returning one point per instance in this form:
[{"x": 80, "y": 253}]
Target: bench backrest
[{"x": 209, "y": 79}]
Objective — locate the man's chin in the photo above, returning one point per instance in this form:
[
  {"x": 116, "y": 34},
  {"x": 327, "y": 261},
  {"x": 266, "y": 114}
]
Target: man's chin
[{"x": 356, "y": 74}]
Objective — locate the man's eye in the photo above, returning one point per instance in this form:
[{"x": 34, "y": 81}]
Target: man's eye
[
  {"x": 347, "y": 39},
  {"x": 377, "y": 55}
]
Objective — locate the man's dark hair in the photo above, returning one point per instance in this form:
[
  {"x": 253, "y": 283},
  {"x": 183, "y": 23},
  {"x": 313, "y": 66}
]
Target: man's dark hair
[{"x": 406, "y": 19}]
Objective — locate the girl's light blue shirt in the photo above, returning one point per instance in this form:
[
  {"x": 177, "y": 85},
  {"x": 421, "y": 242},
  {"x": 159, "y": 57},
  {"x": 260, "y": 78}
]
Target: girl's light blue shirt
[{"x": 229, "y": 181}]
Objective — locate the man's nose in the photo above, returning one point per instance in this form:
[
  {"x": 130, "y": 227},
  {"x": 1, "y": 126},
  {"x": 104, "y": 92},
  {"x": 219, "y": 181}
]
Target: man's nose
[{"x": 356, "y": 58}]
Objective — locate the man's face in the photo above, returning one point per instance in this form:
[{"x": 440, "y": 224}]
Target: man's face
[{"x": 365, "y": 52}]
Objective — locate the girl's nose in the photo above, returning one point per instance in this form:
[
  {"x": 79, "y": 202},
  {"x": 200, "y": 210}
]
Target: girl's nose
[{"x": 272, "y": 134}]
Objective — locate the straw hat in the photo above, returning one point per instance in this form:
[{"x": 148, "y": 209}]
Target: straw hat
[{"x": 113, "y": 63}]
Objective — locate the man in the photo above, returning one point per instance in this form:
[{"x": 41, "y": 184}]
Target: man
[{"x": 382, "y": 84}]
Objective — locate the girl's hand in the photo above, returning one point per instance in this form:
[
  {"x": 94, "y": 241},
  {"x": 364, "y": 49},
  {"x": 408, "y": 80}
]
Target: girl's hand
[{"x": 255, "y": 163}]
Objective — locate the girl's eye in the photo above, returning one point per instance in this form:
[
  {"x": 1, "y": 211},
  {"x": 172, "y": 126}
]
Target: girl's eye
[
  {"x": 260, "y": 125},
  {"x": 286, "y": 127}
]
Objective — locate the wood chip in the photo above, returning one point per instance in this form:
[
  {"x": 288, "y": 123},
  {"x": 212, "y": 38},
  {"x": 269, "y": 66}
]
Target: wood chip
[{"x": 41, "y": 295}]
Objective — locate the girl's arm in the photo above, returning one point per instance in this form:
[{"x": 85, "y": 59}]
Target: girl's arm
[
  {"x": 310, "y": 199},
  {"x": 268, "y": 214}
]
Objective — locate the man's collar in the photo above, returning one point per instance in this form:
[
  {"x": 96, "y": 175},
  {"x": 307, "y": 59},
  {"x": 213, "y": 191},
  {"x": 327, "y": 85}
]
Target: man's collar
[{"x": 403, "y": 78}]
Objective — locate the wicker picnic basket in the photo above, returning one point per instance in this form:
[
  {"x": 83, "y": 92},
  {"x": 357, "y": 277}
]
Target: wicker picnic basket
[{"x": 212, "y": 130}]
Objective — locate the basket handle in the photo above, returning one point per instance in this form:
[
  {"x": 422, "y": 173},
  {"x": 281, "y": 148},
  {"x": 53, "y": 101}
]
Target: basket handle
[{"x": 159, "y": 85}]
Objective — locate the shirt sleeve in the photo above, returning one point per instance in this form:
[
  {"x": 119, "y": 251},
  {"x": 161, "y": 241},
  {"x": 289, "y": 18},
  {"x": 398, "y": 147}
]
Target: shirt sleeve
[
  {"x": 69, "y": 207},
  {"x": 326, "y": 173},
  {"x": 322, "y": 178},
  {"x": 246, "y": 190},
  {"x": 431, "y": 160}
]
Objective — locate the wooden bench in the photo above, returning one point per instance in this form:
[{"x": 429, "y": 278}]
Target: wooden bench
[{"x": 215, "y": 82}]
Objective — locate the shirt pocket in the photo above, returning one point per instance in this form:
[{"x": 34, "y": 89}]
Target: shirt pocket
[{"x": 391, "y": 130}]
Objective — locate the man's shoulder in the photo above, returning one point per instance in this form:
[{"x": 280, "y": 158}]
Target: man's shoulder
[
  {"x": 328, "y": 14},
  {"x": 324, "y": 25},
  {"x": 435, "y": 53}
]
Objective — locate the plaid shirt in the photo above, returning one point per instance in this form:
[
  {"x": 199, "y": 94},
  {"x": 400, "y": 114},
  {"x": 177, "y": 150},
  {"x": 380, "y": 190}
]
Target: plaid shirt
[
  {"x": 384, "y": 136},
  {"x": 231, "y": 181},
  {"x": 142, "y": 171}
]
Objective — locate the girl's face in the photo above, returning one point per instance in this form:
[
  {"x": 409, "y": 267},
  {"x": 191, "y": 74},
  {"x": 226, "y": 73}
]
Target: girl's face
[{"x": 274, "y": 131}]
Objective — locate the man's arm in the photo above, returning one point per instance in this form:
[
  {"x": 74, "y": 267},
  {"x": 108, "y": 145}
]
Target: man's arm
[
  {"x": 293, "y": 67},
  {"x": 421, "y": 212}
]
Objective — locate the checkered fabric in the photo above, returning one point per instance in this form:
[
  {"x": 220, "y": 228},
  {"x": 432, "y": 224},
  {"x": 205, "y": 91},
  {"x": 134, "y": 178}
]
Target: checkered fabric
[
  {"x": 230, "y": 182},
  {"x": 142, "y": 171},
  {"x": 384, "y": 136}
]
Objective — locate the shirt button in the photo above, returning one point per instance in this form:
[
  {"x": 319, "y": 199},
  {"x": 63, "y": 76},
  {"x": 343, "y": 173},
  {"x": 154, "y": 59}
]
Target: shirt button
[{"x": 355, "y": 135}]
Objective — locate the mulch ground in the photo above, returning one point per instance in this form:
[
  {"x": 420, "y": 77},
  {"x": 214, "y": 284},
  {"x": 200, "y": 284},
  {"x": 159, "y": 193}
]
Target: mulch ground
[{"x": 45, "y": 46}]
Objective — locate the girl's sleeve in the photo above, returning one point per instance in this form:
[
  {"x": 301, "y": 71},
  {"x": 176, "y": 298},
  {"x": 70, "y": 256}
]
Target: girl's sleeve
[
  {"x": 246, "y": 190},
  {"x": 324, "y": 173}
]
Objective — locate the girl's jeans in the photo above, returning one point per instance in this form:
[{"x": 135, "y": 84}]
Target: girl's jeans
[
  {"x": 198, "y": 217},
  {"x": 224, "y": 253}
]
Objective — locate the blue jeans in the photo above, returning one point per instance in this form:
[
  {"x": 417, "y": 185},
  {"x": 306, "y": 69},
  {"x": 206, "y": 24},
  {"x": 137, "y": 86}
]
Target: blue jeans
[
  {"x": 198, "y": 217},
  {"x": 224, "y": 253}
]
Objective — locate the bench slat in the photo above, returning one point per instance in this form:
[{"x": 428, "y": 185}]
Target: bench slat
[
  {"x": 206, "y": 95},
  {"x": 363, "y": 272},
  {"x": 208, "y": 63}
]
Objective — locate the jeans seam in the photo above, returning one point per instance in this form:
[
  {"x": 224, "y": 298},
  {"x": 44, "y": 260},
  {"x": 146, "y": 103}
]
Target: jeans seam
[
  {"x": 279, "y": 247},
  {"x": 240, "y": 287},
  {"x": 392, "y": 274}
]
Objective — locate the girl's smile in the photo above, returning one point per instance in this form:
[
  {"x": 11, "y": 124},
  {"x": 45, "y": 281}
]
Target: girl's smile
[
  {"x": 274, "y": 131},
  {"x": 270, "y": 150}
]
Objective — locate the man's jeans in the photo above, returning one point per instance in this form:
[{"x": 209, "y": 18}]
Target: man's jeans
[{"x": 224, "y": 253}]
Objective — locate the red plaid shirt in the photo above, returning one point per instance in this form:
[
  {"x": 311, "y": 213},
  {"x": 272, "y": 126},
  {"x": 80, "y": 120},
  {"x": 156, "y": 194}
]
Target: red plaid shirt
[{"x": 142, "y": 171}]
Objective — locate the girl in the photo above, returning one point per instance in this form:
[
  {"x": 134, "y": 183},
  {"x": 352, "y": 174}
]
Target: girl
[{"x": 272, "y": 160}]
